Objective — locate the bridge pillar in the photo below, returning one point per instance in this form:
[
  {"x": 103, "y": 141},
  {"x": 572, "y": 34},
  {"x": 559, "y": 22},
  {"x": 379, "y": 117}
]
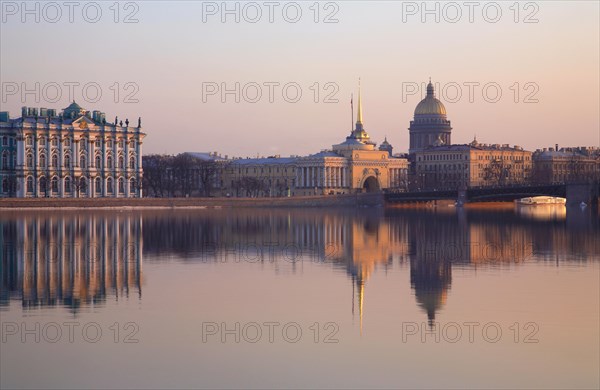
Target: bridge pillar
[
  {"x": 586, "y": 193},
  {"x": 462, "y": 197}
]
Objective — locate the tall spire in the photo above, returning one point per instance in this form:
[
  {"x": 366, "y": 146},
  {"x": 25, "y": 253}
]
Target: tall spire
[{"x": 359, "y": 114}]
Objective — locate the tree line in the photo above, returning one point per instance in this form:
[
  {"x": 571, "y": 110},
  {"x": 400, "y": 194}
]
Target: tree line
[{"x": 182, "y": 175}]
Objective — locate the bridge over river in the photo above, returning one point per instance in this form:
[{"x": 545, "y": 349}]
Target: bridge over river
[{"x": 574, "y": 192}]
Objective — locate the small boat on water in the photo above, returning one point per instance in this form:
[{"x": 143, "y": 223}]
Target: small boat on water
[{"x": 541, "y": 200}]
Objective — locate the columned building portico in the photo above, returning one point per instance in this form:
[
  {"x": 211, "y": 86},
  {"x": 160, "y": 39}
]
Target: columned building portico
[{"x": 73, "y": 154}]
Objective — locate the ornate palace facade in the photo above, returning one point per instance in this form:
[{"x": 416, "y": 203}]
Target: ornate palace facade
[{"x": 72, "y": 154}]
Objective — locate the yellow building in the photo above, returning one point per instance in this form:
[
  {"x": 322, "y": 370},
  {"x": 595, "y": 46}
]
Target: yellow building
[
  {"x": 354, "y": 165},
  {"x": 471, "y": 165}
]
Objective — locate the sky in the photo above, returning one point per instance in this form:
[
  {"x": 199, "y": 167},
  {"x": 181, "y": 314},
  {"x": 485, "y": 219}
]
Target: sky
[{"x": 279, "y": 79}]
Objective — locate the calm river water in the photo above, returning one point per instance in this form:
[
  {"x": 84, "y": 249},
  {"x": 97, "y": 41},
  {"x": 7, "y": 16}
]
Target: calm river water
[{"x": 506, "y": 298}]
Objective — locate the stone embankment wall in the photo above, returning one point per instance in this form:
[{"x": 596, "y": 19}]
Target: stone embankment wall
[{"x": 353, "y": 200}]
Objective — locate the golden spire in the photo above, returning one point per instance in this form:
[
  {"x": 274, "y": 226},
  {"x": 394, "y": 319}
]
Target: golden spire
[{"x": 359, "y": 114}]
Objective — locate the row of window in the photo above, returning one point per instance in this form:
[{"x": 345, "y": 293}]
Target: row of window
[
  {"x": 69, "y": 185},
  {"x": 434, "y": 157},
  {"x": 446, "y": 167},
  {"x": 450, "y": 157},
  {"x": 82, "y": 161},
  {"x": 262, "y": 170},
  {"x": 67, "y": 142},
  {"x": 505, "y": 158}
]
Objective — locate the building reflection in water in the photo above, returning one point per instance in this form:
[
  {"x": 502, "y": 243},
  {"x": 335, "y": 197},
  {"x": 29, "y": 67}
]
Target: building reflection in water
[
  {"x": 79, "y": 259},
  {"x": 71, "y": 259}
]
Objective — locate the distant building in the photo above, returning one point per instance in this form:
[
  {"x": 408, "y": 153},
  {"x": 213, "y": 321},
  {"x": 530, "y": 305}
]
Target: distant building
[
  {"x": 471, "y": 165},
  {"x": 437, "y": 164},
  {"x": 354, "y": 165},
  {"x": 564, "y": 165},
  {"x": 387, "y": 147},
  {"x": 72, "y": 154}
]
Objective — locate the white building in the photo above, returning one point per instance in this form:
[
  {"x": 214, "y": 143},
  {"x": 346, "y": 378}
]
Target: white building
[{"x": 69, "y": 155}]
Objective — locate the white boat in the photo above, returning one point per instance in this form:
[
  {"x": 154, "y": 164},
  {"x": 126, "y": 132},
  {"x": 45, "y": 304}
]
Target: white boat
[{"x": 541, "y": 200}]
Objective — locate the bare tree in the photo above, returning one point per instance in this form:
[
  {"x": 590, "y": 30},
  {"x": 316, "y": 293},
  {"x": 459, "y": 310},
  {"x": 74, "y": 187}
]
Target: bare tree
[
  {"x": 11, "y": 185},
  {"x": 208, "y": 173},
  {"x": 79, "y": 185},
  {"x": 183, "y": 168},
  {"x": 252, "y": 186},
  {"x": 496, "y": 172},
  {"x": 158, "y": 177}
]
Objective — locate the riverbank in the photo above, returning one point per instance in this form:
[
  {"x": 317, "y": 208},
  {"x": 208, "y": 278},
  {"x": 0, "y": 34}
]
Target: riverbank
[{"x": 350, "y": 200}]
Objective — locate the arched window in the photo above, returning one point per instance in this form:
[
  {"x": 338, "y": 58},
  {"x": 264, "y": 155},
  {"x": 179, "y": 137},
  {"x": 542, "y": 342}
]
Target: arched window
[
  {"x": 5, "y": 141},
  {"x": 43, "y": 185},
  {"x": 98, "y": 186},
  {"x": 121, "y": 162},
  {"x": 132, "y": 186},
  {"x": 98, "y": 162},
  {"x": 121, "y": 185},
  {"x": 67, "y": 161},
  {"x": 131, "y": 162},
  {"x": 30, "y": 160},
  {"x": 54, "y": 184},
  {"x": 54, "y": 161},
  {"x": 29, "y": 184},
  {"x": 68, "y": 184},
  {"x": 109, "y": 185},
  {"x": 4, "y": 160},
  {"x": 109, "y": 162},
  {"x": 82, "y": 185},
  {"x": 82, "y": 162},
  {"x": 43, "y": 160},
  {"x": 5, "y": 185}
]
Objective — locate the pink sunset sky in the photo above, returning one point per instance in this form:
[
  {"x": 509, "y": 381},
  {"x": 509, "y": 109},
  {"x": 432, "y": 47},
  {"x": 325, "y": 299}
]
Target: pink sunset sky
[{"x": 528, "y": 75}]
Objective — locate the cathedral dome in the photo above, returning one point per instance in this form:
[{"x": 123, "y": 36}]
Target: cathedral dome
[{"x": 430, "y": 105}]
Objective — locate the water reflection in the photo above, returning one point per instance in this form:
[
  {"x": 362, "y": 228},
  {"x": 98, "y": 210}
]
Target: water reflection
[
  {"x": 80, "y": 259},
  {"x": 70, "y": 259},
  {"x": 544, "y": 212}
]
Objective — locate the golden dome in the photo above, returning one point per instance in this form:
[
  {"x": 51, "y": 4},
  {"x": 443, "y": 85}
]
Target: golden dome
[{"x": 430, "y": 105}]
